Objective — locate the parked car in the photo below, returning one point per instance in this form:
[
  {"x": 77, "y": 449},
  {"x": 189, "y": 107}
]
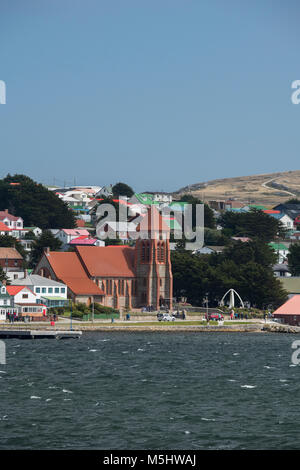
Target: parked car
[
  {"x": 165, "y": 317},
  {"x": 216, "y": 316}
]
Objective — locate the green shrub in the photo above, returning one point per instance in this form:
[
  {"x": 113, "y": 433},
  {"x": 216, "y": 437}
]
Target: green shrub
[{"x": 77, "y": 314}]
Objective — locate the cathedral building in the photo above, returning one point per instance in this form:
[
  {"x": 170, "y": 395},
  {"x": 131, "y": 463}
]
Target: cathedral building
[{"x": 118, "y": 276}]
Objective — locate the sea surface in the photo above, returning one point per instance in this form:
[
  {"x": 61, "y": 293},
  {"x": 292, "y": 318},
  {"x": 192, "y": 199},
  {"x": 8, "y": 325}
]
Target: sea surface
[{"x": 151, "y": 391}]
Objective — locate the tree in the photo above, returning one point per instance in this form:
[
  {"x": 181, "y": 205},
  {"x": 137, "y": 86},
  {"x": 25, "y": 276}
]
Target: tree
[
  {"x": 122, "y": 189},
  {"x": 215, "y": 237},
  {"x": 254, "y": 224},
  {"x": 245, "y": 267},
  {"x": 209, "y": 218},
  {"x": 34, "y": 203},
  {"x": 294, "y": 259},
  {"x": 3, "y": 276},
  {"x": 46, "y": 240},
  {"x": 293, "y": 201}
]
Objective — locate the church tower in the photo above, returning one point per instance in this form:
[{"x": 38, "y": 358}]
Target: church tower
[{"x": 153, "y": 263}]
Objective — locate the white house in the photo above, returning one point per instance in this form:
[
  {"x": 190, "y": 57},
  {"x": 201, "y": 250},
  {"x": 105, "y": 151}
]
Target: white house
[
  {"x": 46, "y": 291},
  {"x": 21, "y": 294},
  {"x": 6, "y": 302},
  {"x": 26, "y": 302},
  {"x": 281, "y": 250},
  {"x": 10, "y": 220},
  {"x": 66, "y": 235},
  {"x": 285, "y": 219}
]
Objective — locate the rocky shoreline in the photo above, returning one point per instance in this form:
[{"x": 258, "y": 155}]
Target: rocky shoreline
[
  {"x": 104, "y": 327},
  {"x": 280, "y": 328}
]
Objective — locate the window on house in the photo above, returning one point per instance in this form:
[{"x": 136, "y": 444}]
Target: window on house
[
  {"x": 50, "y": 290},
  {"x": 37, "y": 290},
  {"x": 63, "y": 290},
  {"x": 56, "y": 290},
  {"x": 44, "y": 290},
  {"x": 24, "y": 296}
]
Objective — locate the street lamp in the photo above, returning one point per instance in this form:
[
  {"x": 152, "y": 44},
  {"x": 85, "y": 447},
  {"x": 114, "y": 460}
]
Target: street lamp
[
  {"x": 206, "y": 301},
  {"x": 71, "y": 315}
]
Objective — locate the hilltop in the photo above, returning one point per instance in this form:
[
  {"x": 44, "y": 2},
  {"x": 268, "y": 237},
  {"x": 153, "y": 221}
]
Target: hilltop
[{"x": 269, "y": 188}]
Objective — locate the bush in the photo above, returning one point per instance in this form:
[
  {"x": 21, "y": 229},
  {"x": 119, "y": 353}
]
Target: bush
[{"x": 77, "y": 314}]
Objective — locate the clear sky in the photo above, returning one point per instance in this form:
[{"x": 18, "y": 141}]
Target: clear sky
[{"x": 158, "y": 94}]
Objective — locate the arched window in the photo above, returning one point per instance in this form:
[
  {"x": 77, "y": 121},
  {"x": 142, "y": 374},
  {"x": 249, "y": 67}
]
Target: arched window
[
  {"x": 161, "y": 252},
  {"x": 143, "y": 253}
]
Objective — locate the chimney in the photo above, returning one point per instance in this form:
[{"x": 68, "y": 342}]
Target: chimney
[
  {"x": 47, "y": 251},
  {"x": 25, "y": 273},
  {"x": 4, "y": 282},
  {"x": 6, "y": 211}
]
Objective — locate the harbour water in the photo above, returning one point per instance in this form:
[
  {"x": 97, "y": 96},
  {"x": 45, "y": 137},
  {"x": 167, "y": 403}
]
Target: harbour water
[{"x": 151, "y": 391}]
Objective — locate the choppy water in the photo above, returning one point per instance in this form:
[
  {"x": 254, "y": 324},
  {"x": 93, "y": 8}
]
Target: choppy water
[{"x": 151, "y": 391}]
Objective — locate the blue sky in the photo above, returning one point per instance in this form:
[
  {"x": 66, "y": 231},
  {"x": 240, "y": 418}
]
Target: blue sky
[{"x": 158, "y": 94}]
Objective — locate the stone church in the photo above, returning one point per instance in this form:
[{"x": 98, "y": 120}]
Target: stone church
[{"x": 118, "y": 276}]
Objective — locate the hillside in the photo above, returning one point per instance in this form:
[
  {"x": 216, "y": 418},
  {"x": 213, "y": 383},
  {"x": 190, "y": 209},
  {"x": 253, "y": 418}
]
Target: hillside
[{"x": 268, "y": 189}]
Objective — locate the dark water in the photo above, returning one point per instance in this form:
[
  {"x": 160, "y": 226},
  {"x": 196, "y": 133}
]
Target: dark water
[{"x": 151, "y": 391}]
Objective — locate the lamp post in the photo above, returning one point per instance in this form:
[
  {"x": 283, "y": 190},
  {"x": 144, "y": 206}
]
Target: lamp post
[
  {"x": 206, "y": 301},
  {"x": 71, "y": 315}
]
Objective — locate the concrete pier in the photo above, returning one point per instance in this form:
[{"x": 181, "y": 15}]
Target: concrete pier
[{"x": 39, "y": 334}]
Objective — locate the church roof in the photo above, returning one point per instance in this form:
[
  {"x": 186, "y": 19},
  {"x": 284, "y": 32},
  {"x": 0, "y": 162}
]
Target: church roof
[
  {"x": 108, "y": 261},
  {"x": 68, "y": 269}
]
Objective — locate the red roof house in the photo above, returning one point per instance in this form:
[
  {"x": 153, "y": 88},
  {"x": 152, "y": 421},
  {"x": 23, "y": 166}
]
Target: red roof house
[{"x": 289, "y": 312}]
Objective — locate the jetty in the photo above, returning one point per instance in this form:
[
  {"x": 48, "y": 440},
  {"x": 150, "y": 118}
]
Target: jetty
[{"x": 39, "y": 334}]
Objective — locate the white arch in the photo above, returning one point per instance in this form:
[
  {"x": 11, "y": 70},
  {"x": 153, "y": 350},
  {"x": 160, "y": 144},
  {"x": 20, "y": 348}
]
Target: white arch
[{"x": 231, "y": 302}]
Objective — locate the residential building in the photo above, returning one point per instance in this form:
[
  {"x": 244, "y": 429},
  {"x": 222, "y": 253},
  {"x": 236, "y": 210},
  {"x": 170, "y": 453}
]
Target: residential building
[
  {"x": 48, "y": 292},
  {"x": 26, "y": 304},
  {"x": 281, "y": 270},
  {"x": 285, "y": 219},
  {"x": 289, "y": 312},
  {"x": 15, "y": 223},
  {"x": 10, "y": 259},
  {"x": 6, "y": 302},
  {"x": 86, "y": 241},
  {"x": 4, "y": 229},
  {"x": 66, "y": 235},
  {"x": 208, "y": 250},
  {"x": 281, "y": 250}
]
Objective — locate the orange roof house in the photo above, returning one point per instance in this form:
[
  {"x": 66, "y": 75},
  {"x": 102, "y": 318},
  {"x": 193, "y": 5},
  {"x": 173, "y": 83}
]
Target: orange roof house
[
  {"x": 10, "y": 259},
  {"x": 4, "y": 229},
  {"x": 289, "y": 312},
  {"x": 117, "y": 276}
]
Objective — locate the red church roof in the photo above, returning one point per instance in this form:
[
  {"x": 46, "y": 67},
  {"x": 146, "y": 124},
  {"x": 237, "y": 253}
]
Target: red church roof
[
  {"x": 114, "y": 261},
  {"x": 68, "y": 269}
]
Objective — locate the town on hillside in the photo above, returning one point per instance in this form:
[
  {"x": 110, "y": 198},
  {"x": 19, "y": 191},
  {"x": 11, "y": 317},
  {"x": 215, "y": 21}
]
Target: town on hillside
[{"x": 62, "y": 256}]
